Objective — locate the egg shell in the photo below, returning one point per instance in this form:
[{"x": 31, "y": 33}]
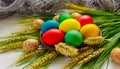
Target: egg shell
[
  {"x": 56, "y": 17},
  {"x": 53, "y": 36},
  {"x": 74, "y": 38},
  {"x": 76, "y": 15},
  {"x": 85, "y": 19},
  {"x": 30, "y": 45},
  {"x": 63, "y": 16},
  {"x": 37, "y": 23},
  {"x": 69, "y": 24},
  {"x": 49, "y": 25},
  {"x": 115, "y": 55},
  {"x": 90, "y": 30}
]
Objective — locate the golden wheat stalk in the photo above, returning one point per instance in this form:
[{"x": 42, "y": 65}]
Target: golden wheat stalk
[
  {"x": 78, "y": 58},
  {"x": 31, "y": 54},
  {"x": 94, "y": 40},
  {"x": 27, "y": 20},
  {"x": 66, "y": 50},
  {"x": 76, "y": 7},
  {"x": 44, "y": 60},
  {"x": 14, "y": 39},
  {"x": 24, "y": 31},
  {"x": 91, "y": 56},
  {"x": 11, "y": 46}
]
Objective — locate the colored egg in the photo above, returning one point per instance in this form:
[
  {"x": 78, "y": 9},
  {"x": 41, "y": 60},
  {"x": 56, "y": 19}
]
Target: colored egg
[
  {"x": 37, "y": 23},
  {"x": 56, "y": 17},
  {"x": 85, "y": 19},
  {"x": 53, "y": 36},
  {"x": 49, "y": 25},
  {"x": 90, "y": 30},
  {"x": 30, "y": 45},
  {"x": 63, "y": 16},
  {"x": 74, "y": 38},
  {"x": 69, "y": 24},
  {"x": 76, "y": 15}
]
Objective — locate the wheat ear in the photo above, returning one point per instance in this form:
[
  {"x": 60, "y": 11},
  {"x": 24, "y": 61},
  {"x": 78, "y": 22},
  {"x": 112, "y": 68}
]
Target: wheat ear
[
  {"x": 11, "y": 46},
  {"x": 78, "y": 58},
  {"x": 43, "y": 60},
  {"x": 91, "y": 56},
  {"x": 14, "y": 39},
  {"x": 31, "y": 54},
  {"x": 94, "y": 40},
  {"x": 66, "y": 50}
]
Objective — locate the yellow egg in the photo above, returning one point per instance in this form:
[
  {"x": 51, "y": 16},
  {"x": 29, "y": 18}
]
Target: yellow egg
[
  {"x": 69, "y": 24},
  {"x": 90, "y": 30}
]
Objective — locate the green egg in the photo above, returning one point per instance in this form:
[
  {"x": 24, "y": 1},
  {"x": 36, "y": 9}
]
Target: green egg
[
  {"x": 63, "y": 16},
  {"x": 74, "y": 38}
]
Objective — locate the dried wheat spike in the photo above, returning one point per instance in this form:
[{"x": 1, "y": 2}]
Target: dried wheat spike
[
  {"x": 78, "y": 58},
  {"x": 11, "y": 46},
  {"x": 27, "y": 30},
  {"x": 91, "y": 56},
  {"x": 44, "y": 60},
  {"x": 94, "y": 40},
  {"x": 14, "y": 39},
  {"x": 66, "y": 50},
  {"x": 31, "y": 54}
]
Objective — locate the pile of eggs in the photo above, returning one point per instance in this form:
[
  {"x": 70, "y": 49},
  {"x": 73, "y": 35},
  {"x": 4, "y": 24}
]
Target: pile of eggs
[{"x": 71, "y": 28}]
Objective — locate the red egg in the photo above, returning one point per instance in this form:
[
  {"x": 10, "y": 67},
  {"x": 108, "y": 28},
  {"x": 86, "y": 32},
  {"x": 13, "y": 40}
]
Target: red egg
[
  {"x": 53, "y": 36},
  {"x": 85, "y": 19}
]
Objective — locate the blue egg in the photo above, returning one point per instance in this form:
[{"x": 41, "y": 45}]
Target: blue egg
[{"x": 49, "y": 24}]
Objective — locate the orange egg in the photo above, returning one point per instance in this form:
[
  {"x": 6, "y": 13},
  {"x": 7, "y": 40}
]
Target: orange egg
[{"x": 90, "y": 30}]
